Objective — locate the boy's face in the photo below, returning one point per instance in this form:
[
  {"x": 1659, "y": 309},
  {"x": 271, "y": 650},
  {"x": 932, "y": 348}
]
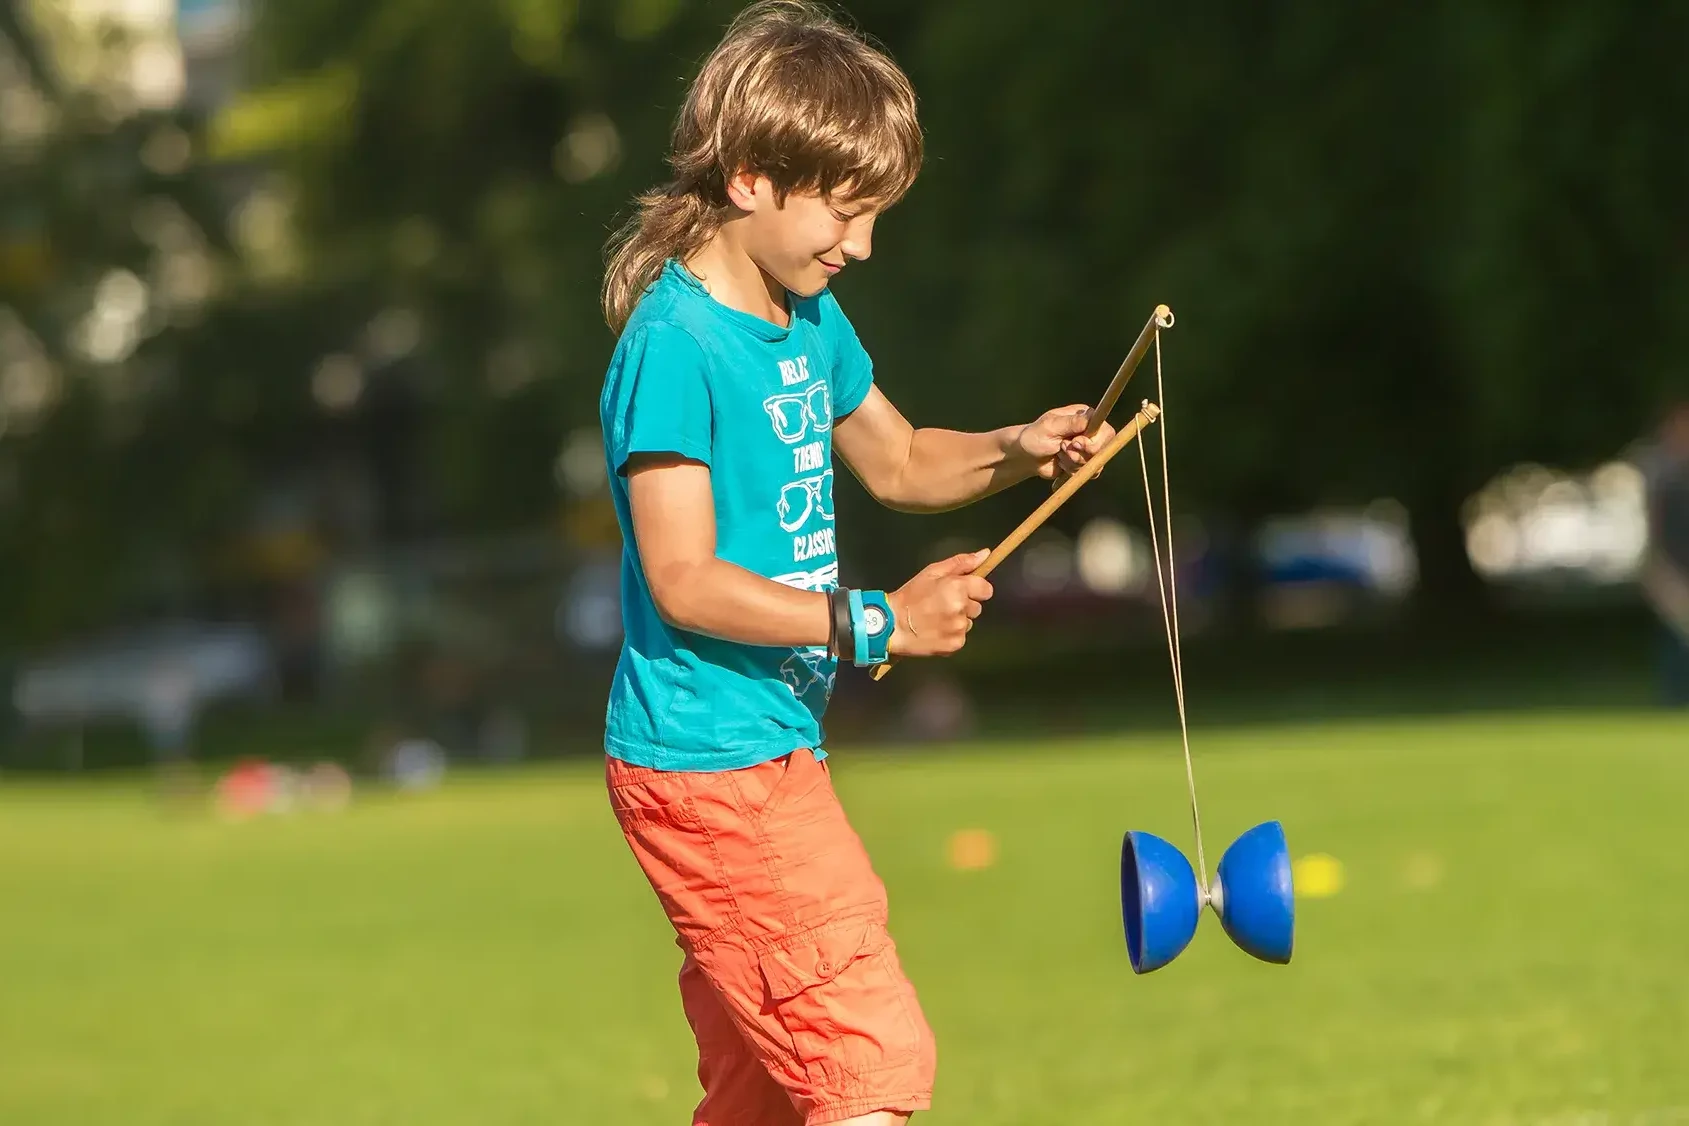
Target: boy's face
[{"x": 802, "y": 242}]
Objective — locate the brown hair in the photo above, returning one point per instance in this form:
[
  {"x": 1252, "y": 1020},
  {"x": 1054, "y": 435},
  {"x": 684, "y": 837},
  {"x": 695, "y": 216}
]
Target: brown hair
[{"x": 790, "y": 94}]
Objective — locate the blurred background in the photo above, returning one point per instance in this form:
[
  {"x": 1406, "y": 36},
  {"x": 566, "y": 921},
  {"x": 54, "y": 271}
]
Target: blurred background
[
  {"x": 300, "y": 351},
  {"x": 303, "y": 522}
]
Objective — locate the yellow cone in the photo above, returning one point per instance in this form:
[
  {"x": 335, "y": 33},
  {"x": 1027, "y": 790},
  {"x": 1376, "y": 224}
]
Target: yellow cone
[
  {"x": 972, "y": 849},
  {"x": 1317, "y": 876}
]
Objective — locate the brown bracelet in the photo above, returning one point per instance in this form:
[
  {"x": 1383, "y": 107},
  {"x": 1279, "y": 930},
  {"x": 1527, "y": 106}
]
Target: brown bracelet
[{"x": 841, "y": 636}]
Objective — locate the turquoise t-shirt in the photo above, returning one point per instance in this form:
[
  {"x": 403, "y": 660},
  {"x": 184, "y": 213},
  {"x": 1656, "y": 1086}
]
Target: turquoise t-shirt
[{"x": 756, "y": 403}]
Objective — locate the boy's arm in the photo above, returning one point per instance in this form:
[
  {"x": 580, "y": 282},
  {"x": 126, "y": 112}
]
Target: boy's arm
[
  {"x": 933, "y": 470},
  {"x": 674, "y": 526},
  {"x": 673, "y": 512}
]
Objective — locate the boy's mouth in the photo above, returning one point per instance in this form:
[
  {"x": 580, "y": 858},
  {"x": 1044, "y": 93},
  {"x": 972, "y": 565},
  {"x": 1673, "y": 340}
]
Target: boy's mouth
[{"x": 830, "y": 267}]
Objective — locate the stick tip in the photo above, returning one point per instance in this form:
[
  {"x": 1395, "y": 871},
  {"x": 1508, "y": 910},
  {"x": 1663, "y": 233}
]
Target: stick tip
[{"x": 1164, "y": 316}]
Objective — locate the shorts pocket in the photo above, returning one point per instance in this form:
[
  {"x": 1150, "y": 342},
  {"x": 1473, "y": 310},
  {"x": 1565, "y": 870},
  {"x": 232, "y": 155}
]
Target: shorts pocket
[
  {"x": 638, "y": 793},
  {"x": 679, "y": 856},
  {"x": 841, "y": 996},
  {"x": 761, "y": 791}
]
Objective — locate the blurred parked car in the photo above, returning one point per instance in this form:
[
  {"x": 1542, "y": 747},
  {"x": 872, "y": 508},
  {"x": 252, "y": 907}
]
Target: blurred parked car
[{"x": 159, "y": 677}]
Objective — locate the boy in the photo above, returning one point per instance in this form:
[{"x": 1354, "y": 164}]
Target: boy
[{"x": 735, "y": 378}]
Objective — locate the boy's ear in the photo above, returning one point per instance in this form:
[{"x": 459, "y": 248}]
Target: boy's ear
[{"x": 747, "y": 190}]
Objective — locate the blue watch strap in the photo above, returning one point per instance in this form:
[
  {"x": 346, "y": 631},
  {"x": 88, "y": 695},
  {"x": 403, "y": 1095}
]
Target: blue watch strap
[{"x": 872, "y": 626}]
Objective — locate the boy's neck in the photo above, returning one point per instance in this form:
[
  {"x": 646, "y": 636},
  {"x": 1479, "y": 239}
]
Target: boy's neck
[{"x": 733, "y": 278}]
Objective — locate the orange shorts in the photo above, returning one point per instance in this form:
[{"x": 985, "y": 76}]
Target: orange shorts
[{"x": 790, "y": 980}]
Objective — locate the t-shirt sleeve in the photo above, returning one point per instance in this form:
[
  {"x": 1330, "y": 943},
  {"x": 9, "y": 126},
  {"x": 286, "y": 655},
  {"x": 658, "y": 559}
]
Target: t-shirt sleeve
[
  {"x": 853, "y": 368},
  {"x": 660, "y": 397}
]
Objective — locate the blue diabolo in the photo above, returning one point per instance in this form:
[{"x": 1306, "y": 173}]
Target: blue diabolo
[{"x": 1253, "y": 895}]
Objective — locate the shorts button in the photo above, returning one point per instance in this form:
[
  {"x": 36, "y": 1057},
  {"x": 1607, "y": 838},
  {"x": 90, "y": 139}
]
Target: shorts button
[{"x": 824, "y": 967}]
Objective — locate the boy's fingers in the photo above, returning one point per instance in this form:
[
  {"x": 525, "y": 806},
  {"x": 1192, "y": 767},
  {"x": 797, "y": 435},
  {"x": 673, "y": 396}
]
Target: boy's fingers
[
  {"x": 1072, "y": 422},
  {"x": 1086, "y": 448},
  {"x": 959, "y": 564}
]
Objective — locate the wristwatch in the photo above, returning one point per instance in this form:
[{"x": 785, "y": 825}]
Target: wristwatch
[
  {"x": 872, "y": 622},
  {"x": 862, "y": 626}
]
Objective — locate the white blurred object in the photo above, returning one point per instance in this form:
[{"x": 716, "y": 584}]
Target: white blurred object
[
  {"x": 1110, "y": 561},
  {"x": 157, "y": 74},
  {"x": 580, "y": 465},
  {"x": 1534, "y": 521},
  {"x": 394, "y": 334},
  {"x": 137, "y": 15},
  {"x": 326, "y": 787},
  {"x": 591, "y": 613},
  {"x": 112, "y": 327},
  {"x": 590, "y": 147},
  {"x": 1048, "y": 563},
  {"x": 416, "y": 764},
  {"x": 1369, "y": 548},
  {"x": 151, "y": 73},
  {"x": 361, "y": 614},
  {"x": 338, "y": 383},
  {"x": 160, "y": 678}
]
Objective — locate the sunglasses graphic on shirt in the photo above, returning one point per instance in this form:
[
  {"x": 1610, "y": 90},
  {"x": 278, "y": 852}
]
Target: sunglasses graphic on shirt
[
  {"x": 801, "y": 498},
  {"x": 794, "y": 416}
]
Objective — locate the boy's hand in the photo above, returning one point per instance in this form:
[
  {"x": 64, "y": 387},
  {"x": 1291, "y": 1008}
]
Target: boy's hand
[
  {"x": 936, "y": 609},
  {"x": 1056, "y": 442}
]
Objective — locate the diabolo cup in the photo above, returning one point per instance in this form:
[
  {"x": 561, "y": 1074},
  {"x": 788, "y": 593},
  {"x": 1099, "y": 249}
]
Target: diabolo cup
[
  {"x": 1256, "y": 897},
  {"x": 1159, "y": 901}
]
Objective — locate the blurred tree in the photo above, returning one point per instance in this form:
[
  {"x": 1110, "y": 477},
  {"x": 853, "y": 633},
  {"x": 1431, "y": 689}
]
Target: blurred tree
[
  {"x": 1397, "y": 242},
  {"x": 466, "y": 168},
  {"x": 113, "y": 240}
]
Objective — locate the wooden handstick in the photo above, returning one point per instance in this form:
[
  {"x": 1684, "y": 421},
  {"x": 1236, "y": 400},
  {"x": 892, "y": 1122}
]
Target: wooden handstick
[
  {"x": 1148, "y": 414},
  {"x": 1055, "y": 500},
  {"x": 1161, "y": 318}
]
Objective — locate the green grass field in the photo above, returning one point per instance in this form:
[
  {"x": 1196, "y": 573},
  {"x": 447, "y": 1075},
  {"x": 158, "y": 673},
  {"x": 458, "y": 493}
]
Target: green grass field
[{"x": 1511, "y": 945}]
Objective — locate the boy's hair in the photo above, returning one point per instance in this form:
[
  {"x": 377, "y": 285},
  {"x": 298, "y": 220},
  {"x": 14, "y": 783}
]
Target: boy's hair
[{"x": 788, "y": 93}]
